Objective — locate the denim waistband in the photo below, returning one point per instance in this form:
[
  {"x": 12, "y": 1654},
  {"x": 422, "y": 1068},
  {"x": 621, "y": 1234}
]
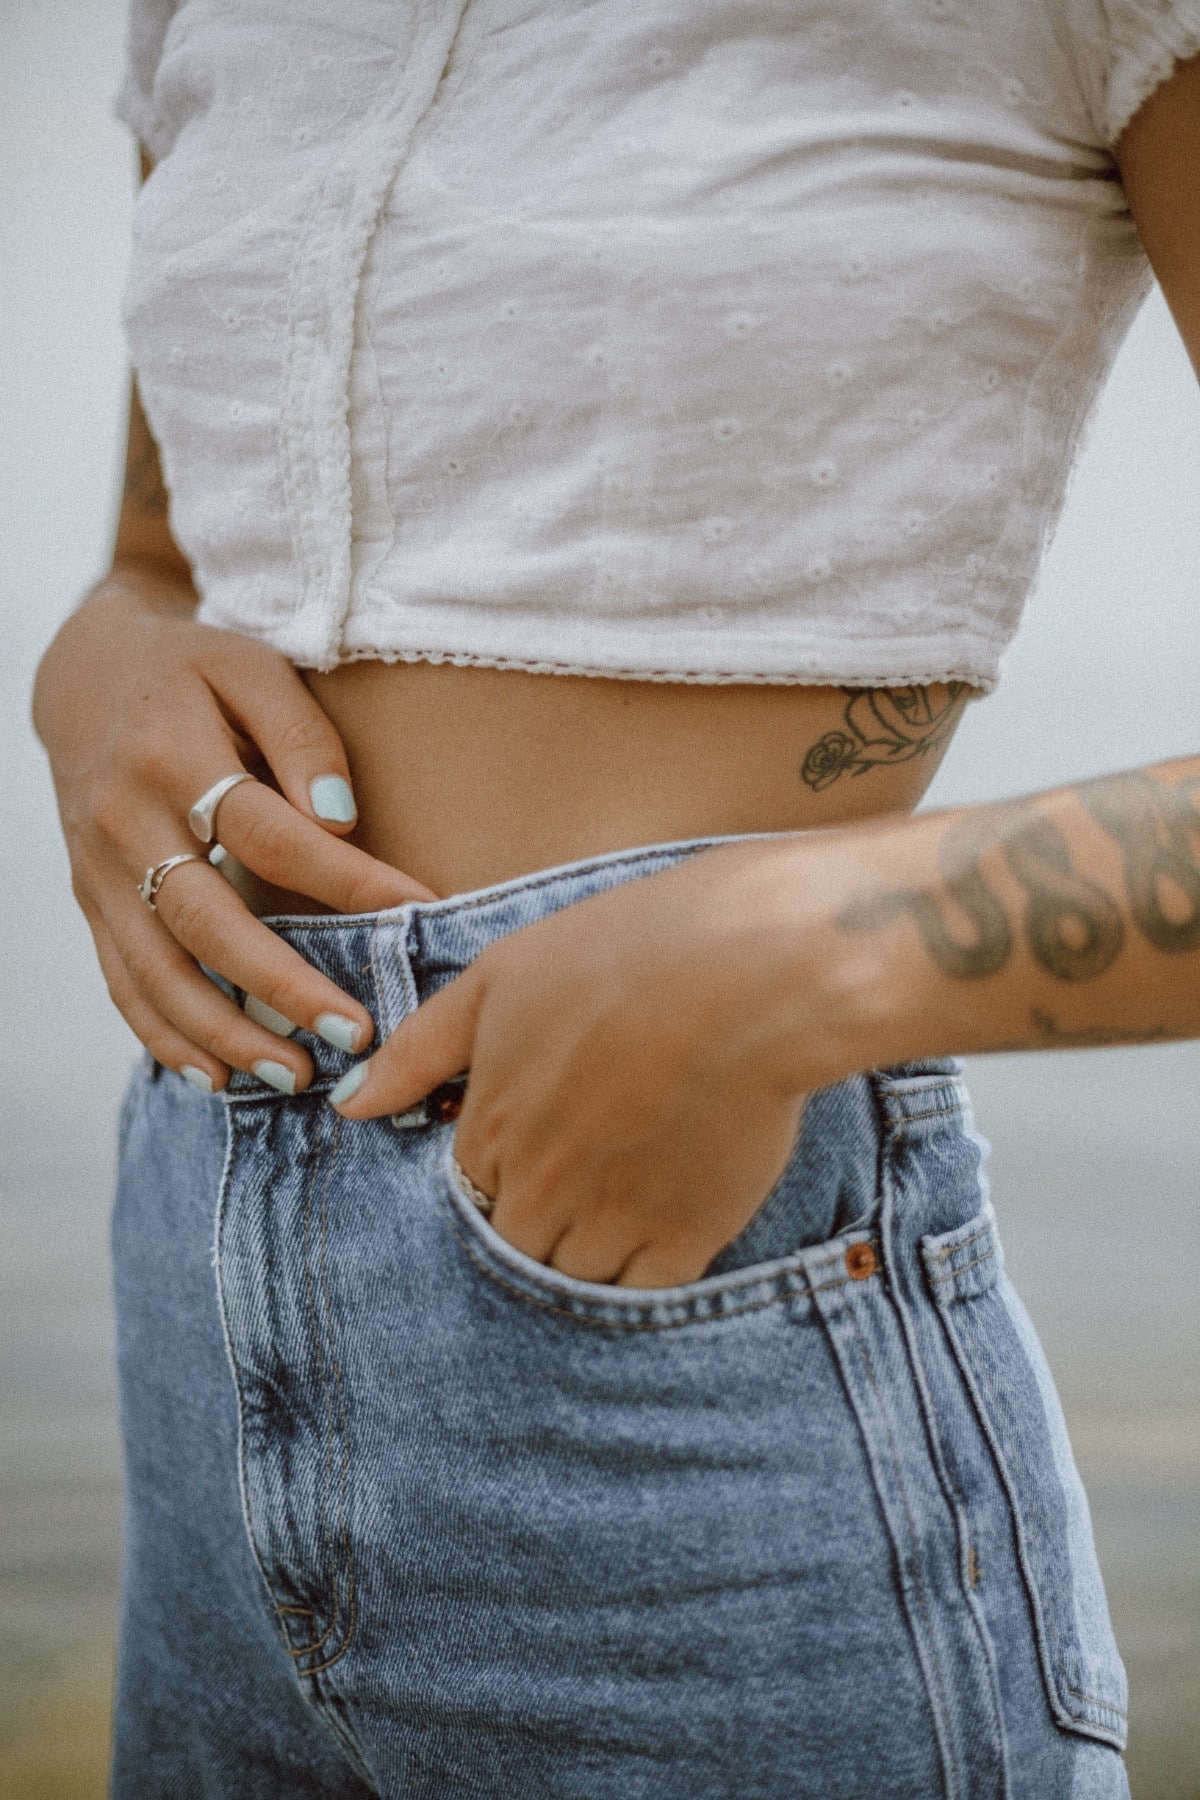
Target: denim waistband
[{"x": 390, "y": 961}]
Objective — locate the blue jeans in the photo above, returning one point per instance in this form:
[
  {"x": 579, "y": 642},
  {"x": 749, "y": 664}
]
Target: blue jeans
[{"x": 412, "y": 1515}]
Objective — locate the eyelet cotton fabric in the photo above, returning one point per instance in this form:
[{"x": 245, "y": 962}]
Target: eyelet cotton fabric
[{"x": 698, "y": 340}]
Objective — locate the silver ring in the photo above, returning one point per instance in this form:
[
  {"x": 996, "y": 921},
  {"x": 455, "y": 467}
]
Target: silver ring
[
  {"x": 202, "y": 817},
  {"x": 466, "y": 1186},
  {"x": 153, "y": 879}
]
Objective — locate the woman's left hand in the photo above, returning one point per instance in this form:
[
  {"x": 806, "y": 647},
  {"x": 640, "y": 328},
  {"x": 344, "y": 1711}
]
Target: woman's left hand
[{"x": 628, "y": 1107}]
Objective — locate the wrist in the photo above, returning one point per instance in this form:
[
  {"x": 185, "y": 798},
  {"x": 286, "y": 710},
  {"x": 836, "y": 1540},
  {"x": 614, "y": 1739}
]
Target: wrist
[{"x": 835, "y": 1000}]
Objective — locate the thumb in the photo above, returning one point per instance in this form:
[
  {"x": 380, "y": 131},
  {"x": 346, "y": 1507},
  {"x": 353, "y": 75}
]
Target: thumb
[{"x": 431, "y": 1045}]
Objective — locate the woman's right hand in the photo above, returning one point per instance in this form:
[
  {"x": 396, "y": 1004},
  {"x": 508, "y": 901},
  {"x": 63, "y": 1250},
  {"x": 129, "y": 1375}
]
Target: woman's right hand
[{"x": 141, "y": 710}]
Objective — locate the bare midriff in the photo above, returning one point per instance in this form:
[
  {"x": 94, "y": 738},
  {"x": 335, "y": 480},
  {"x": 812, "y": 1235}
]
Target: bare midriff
[{"x": 468, "y": 776}]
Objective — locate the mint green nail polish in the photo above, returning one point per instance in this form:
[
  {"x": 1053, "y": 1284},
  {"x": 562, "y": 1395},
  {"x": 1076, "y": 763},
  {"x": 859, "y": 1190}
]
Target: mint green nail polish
[
  {"x": 331, "y": 799},
  {"x": 262, "y": 1014},
  {"x": 197, "y": 1077},
  {"x": 276, "y": 1075},
  {"x": 341, "y": 1032},
  {"x": 349, "y": 1085}
]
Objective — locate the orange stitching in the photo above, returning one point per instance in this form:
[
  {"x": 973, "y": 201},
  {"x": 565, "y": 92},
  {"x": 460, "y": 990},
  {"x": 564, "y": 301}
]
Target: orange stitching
[
  {"x": 1092, "y": 1700},
  {"x": 949, "y": 1249},
  {"x": 586, "y": 1318},
  {"x": 950, "y": 1111},
  {"x": 953, "y": 1274}
]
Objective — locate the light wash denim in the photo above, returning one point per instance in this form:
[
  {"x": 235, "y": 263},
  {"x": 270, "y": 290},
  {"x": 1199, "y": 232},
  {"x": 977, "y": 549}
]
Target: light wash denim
[{"x": 410, "y": 1514}]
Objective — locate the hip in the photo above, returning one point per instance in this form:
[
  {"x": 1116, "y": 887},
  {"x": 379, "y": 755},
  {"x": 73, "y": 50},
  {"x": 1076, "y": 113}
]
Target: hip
[{"x": 810, "y": 1522}]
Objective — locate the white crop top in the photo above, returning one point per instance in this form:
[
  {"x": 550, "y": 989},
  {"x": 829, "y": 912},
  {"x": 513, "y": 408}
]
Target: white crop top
[{"x": 686, "y": 340}]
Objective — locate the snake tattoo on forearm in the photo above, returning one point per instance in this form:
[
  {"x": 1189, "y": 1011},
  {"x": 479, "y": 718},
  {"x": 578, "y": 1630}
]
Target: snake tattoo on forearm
[{"x": 1072, "y": 927}]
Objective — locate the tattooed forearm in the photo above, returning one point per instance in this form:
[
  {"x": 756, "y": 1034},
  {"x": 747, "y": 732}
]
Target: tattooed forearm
[
  {"x": 885, "y": 726},
  {"x": 1071, "y": 926},
  {"x": 965, "y": 900},
  {"x": 1157, "y": 829}
]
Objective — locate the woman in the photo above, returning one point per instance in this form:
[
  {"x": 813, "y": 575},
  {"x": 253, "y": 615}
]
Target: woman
[{"x": 608, "y": 451}]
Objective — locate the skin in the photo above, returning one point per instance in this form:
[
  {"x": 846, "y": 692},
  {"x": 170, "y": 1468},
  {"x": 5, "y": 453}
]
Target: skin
[{"x": 638, "y": 1063}]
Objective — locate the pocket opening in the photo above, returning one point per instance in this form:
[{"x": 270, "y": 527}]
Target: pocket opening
[{"x": 711, "y": 1300}]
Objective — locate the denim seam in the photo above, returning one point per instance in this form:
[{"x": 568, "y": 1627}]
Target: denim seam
[
  {"x": 239, "y": 1393},
  {"x": 952, "y": 1110},
  {"x": 1015, "y": 1464},
  {"x": 587, "y": 1317},
  {"x": 431, "y": 909},
  {"x": 961, "y": 1243},
  {"x": 331, "y": 1430},
  {"x": 1012, "y": 1477},
  {"x": 946, "y": 1276},
  {"x": 567, "y": 873},
  {"x": 223, "y": 1197},
  {"x": 889, "y": 1183},
  {"x": 794, "y": 1264},
  {"x": 917, "y": 1564},
  {"x": 310, "y": 1649}
]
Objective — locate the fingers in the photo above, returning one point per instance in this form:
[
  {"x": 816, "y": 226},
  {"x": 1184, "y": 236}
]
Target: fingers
[
  {"x": 658, "y": 1265},
  {"x": 205, "y": 918},
  {"x": 166, "y": 1044},
  {"x": 431, "y": 1045},
  {"x": 279, "y": 844},
  {"x": 269, "y": 702},
  {"x": 184, "y": 1020}
]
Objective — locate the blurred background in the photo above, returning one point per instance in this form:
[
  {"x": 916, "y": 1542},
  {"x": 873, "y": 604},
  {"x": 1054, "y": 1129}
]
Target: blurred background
[{"x": 1096, "y": 1156}]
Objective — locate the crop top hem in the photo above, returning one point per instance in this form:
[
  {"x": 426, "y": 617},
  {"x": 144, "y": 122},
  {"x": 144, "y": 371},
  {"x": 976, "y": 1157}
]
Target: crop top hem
[
  {"x": 718, "y": 658},
  {"x": 467, "y": 659}
]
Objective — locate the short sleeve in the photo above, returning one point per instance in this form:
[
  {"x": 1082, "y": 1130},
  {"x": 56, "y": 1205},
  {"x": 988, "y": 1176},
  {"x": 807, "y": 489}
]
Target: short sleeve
[
  {"x": 1125, "y": 49},
  {"x": 145, "y": 32}
]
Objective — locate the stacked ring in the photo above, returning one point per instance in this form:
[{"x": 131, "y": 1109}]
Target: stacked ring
[
  {"x": 154, "y": 877},
  {"x": 202, "y": 817}
]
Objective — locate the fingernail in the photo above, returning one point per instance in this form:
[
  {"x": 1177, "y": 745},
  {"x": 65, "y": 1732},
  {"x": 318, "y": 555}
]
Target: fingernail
[
  {"x": 341, "y": 1032},
  {"x": 197, "y": 1077},
  {"x": 262, "y": 1014},
  {"x": 349, "y": 1085},
  {"x": 276, "y": 1075},
  {"x": 331, "y": 799}
]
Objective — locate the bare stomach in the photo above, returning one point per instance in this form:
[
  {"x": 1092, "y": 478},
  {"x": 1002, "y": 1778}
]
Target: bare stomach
[{"x": 467, "y": 776}]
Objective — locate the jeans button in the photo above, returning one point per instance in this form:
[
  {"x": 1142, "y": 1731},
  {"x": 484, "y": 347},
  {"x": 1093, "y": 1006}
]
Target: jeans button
[{"x": 861, "y": 1261}]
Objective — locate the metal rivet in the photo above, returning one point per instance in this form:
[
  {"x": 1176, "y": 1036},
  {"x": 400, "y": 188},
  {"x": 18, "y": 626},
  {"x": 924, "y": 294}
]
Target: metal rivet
[{"x": 861, "y": 1261}]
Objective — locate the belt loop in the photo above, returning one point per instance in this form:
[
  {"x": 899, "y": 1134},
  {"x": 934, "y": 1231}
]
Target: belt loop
[{"x": 391, "y": 971}]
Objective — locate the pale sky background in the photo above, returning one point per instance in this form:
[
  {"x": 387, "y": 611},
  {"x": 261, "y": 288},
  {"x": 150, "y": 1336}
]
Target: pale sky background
[{"x": 1096, "y": 1155}]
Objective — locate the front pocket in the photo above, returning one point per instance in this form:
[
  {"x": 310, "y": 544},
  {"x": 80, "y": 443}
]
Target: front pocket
[
  {"x": 713, "y": 1299},
  {"x": 1002, "y": 1363}
]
